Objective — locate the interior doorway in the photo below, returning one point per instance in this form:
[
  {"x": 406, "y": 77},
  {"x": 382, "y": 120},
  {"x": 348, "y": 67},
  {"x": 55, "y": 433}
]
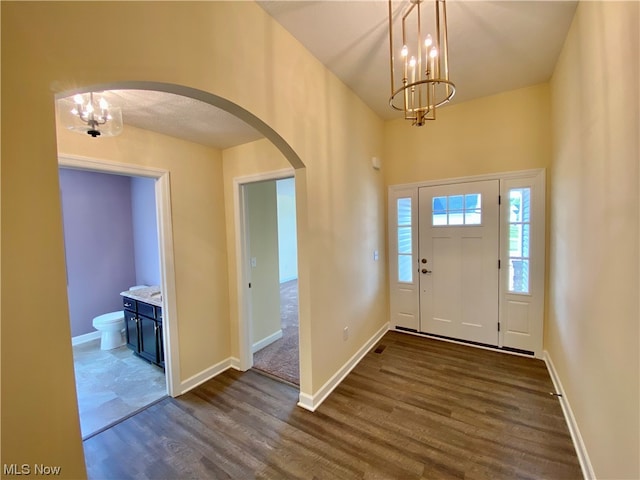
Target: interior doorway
[
  {"x": 111, "y": 246},
  {"x": 271, "y": 258},
  {"x": 156, "y": 183}
]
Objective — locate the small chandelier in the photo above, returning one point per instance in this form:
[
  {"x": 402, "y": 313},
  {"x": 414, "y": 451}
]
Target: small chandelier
[
  {"x": 423, "y": 64},
  {"x": 84, "y": 114}
]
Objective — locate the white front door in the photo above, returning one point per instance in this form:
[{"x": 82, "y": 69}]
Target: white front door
[{"x": 458, "y": 260}]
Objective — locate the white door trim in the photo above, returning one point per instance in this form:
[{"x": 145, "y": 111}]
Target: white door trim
[
  {"x": 471, "y": 178},
  {"x": 165, "y": 245},
  {"x": 245, "y": 345}
]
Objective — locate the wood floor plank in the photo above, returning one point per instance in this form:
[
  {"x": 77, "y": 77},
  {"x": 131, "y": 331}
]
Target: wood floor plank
[{"x": 418, "y": 409}]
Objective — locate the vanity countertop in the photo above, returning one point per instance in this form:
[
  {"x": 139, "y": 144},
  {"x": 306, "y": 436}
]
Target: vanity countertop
[{"x": 151, "y": 295}]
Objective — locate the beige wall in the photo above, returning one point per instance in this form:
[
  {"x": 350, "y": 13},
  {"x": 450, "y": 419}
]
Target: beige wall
[
  {"x": 340, "y": 204},
  {"x": 501, "y": 133},
  {"x": 262, "y": 219},
  {"x": 592, "y": 331},
  {"x": 199, "y": 240}
]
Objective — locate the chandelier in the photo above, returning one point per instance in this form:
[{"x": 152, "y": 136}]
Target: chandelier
[
  {"x": 423, "y": 64},
  {"x": 85, "y": 114}
]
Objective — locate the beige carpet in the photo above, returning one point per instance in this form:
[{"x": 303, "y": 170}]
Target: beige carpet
[{"x": 281, "y": 358}]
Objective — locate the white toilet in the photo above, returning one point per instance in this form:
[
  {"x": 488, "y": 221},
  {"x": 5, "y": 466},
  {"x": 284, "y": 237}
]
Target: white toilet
[{"x": 111, "y": 325}]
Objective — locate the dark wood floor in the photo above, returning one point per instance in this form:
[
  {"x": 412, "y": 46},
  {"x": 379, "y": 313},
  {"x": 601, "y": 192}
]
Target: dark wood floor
[{"x": 419, "y": 409}]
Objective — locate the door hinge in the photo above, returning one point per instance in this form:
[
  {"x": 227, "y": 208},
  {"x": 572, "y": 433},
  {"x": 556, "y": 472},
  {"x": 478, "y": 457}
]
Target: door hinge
[
  {"x": 499, "y": 199},
  {"x": 249, "y": 284},
  {"x": 498, "y": 326},
  {"x": 499, "y": 264}
]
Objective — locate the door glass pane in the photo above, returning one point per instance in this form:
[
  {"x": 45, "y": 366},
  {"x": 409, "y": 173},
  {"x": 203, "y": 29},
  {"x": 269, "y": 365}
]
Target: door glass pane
[
  {"x": 404, "y": 240},
  {"x": 515, "y": 240},
  {"x": 456, "y": 202},
  {"x": 525, "y": 240},
  {"x": 473, "y": 217},
  {"x": 519, "y": 276},
  {"x": 439, "y": 219},
  {"x": 526, "y": 204},
  {"x": 520, "y": 204},
  {"x": 405, "y": 272},
  {"x": 456, "y": 217},
  {"x": 439, "y": 204},
  {"x": 404, "y": 211},
  {"x": 472, "y": 201}
]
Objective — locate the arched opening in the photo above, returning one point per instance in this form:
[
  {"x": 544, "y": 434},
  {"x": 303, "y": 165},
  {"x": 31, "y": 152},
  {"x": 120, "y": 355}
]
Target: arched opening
[{"x": 175, "y": 382}]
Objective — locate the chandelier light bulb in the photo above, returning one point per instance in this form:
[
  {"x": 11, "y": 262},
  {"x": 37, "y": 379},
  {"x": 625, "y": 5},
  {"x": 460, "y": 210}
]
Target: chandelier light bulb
[
  {"x": 405, "y": 51},
  {"x": 428, "y": 41},
  {"x": 433, "y": 53},
  {"x": 103, "y": 104}
]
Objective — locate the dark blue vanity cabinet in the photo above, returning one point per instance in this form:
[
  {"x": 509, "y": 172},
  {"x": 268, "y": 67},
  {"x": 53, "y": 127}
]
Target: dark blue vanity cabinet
[{"x": 144, "y": 330}]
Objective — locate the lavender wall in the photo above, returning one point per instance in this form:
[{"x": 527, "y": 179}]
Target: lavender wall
[
  {"x": 98, "y": 242},
  {"x": 145, "y": 231}
]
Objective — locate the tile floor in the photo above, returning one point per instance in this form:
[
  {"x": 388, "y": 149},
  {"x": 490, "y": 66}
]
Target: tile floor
[{"x": 113, "y": 384}]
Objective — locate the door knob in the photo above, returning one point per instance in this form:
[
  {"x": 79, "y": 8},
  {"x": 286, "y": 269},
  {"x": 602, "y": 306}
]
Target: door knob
[
  {"x": 424, "y": 260},
  {"x": 424, "y": 270}
]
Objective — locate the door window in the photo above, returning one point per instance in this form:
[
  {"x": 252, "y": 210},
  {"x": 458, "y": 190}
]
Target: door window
[{"x": 456, "y": 210}]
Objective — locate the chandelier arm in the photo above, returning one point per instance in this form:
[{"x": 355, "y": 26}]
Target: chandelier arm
[
  {"x": 431, "y": 83},
  {"x": 419, "y": 41},
  {"x": 438, "y": 46},
  {"x": 445, "y": 41},
  {"x": 391, "y": 56}
]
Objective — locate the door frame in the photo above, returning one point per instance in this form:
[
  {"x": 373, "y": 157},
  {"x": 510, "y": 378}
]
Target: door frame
[
  {"x": 165, "y": 246},
  {"x": 537, "y": 178},
  {"x": 243, "y": 267}
]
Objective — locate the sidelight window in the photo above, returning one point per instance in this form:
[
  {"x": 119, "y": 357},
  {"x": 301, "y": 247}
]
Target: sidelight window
[
  {"x": 519, "y": 239},
  {"x": 405, "y": 253}
]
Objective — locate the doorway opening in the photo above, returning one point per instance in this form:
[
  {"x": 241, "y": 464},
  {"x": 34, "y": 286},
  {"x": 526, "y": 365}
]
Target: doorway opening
[
  {"x": 112, "y": 245},
  {"x": 272, "y": 257}
]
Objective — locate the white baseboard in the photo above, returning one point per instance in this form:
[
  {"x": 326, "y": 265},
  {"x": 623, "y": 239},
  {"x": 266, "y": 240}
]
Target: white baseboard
[
  {"x": 207, "y": 374},
  {"x": 266, "y": 341},
  {"x": 87, "y": 337},
  {"x": 312, "y": 402},
  {"x": 581, "y": 449},
  {"x": 235, "y": 363}
]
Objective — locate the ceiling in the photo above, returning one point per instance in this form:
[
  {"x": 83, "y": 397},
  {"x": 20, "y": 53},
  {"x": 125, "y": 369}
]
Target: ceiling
[{"x": 495, "y": 46}]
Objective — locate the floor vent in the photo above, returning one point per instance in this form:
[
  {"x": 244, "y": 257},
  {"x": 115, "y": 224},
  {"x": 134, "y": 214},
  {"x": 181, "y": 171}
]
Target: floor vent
[{"x": 380, "y": 348}]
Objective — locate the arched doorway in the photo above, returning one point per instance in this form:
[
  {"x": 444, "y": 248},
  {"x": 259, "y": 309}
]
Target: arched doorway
[{"x": 177, "y": 384}]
